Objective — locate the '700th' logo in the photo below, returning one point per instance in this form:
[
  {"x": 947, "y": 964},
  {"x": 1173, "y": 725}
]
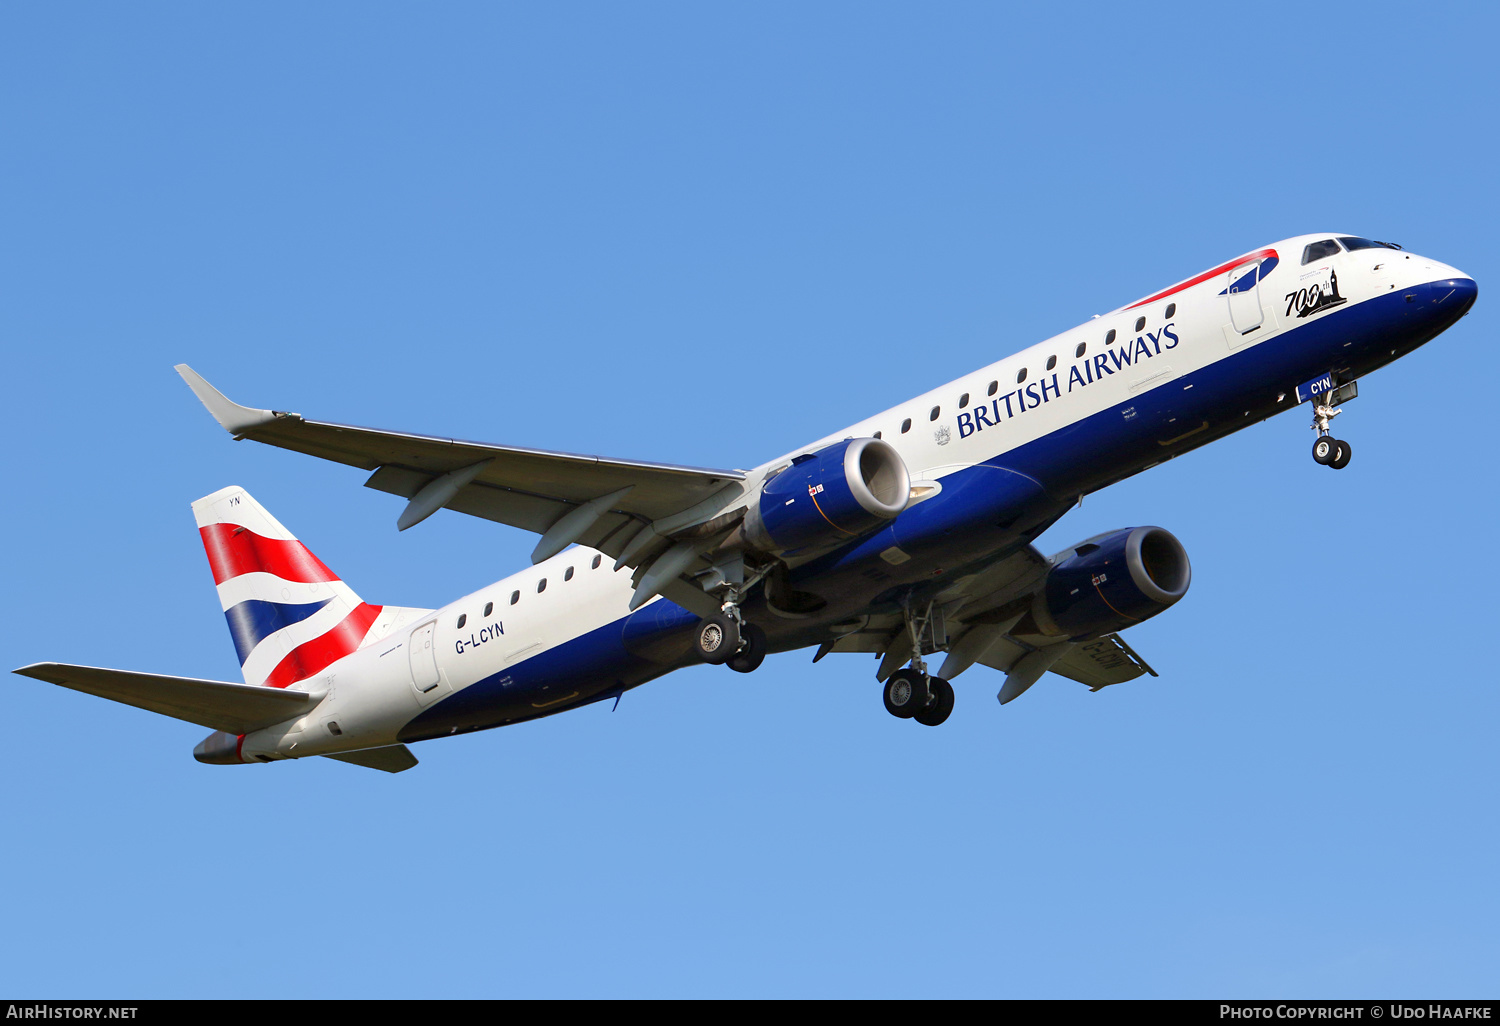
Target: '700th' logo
[{"x": 1318, "y": 291}]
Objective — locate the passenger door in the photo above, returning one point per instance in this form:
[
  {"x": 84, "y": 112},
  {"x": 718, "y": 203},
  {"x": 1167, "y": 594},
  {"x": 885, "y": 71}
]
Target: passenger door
[
  {"x": 425, "y": 677},
  {"x": 1244, "y": 297}
]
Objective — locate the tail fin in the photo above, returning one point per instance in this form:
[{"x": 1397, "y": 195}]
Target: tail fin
[{"x": 290, "y": 616}]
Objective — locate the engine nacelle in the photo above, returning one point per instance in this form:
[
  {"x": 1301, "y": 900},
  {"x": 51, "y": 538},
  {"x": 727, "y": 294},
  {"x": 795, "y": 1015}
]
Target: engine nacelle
[
  {"x": 834, "y": 495},
  {"x": 1111, "y": 582}
]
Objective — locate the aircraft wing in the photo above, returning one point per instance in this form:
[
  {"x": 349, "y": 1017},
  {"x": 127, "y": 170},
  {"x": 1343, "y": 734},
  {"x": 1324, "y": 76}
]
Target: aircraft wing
[
  {"x": 622, "y": 507},
  {"x": 219, "y": 705},
  {"x": 1098, "y": 663}
]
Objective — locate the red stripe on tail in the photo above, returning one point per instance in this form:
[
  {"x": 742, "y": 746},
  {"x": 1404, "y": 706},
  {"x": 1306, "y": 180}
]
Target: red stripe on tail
[
  {"x": 236, "y": 550},
  {"x": 312, "y": 656}
]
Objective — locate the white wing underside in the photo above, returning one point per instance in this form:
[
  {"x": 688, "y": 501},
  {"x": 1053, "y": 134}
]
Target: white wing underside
[
  {"x": 988, "y": 601},
  {"x": 645, "y": 506}
]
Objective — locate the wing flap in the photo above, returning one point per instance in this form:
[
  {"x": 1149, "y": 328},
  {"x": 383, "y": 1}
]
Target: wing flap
[
  {"x": 1102, "y": 662},
  {"x": 1098, "y": 663},
  {"x": 1004, "y": 653},
  {"x": 219, "y": 705}
]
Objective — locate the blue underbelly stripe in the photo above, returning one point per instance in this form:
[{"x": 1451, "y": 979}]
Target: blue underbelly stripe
[{"x": 1086, "y": 454}]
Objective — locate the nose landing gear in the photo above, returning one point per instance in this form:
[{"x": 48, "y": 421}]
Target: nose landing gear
[
  {"x": 1327, "y": 450},
  {"x": 1332, "y": 452}
]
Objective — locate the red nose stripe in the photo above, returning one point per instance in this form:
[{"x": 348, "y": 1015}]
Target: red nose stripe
[
  {"x": 1260, "y": 254},
  {"x": 233, "y": 551},
  {"x": 308, "y": 658}
]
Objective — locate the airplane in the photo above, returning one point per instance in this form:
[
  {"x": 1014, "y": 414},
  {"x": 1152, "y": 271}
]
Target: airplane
[{"x": 907, "y": 535}]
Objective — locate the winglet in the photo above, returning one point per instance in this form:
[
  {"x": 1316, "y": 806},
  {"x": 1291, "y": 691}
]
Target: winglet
[{"x": 233, "y": 417}]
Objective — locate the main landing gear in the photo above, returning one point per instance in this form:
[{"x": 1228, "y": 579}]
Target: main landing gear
[
  {"x": 1327, "y": 450},
  {"x": 727, "y": 639},
  {"x": 912, "y": 693}
]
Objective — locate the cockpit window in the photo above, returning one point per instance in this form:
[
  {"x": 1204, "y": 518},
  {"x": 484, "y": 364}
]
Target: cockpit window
[
  {"x": 1353, "y": 242},
  {"x": 1319, "y": 250}
]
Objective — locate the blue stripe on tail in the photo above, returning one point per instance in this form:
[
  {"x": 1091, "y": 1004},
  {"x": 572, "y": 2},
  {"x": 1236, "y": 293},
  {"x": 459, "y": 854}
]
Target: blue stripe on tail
[{"x": 252, "y": 621}]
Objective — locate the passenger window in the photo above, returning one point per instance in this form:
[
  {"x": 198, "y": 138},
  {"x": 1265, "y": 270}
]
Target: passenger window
[
  {"x": 489, "y": 609},
  {"x": 994, "y": 387},
  {"x": 1319, "y": 250},
  {"x": 463, "y": 618},
  {"x": 934, "y": 414},
  {"x": 515, "y": 597},
  {"x": 1021, "y": 376},
  {"x": 906, "y": 425},
  {"x": 541, "y": 585},
  {"x": 1140, "y": 323},
  {"x": 963, "y": 401},
  {"x": 1109, "y": 339},
  {"x": 568, "y": 574},
  {"x": 1051, "y": 362},
  {"x": 1082, "y": 348},
  {"x": 596, "y": 562},
  {"x": 877, "y": 434},
  {"x": 1171, "y": 309}
]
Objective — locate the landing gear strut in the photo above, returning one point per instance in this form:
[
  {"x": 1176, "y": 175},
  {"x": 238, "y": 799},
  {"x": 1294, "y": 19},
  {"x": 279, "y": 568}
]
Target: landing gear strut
[
  {"x": 1327, "y": 450},
  {"x": 912, "y": 693},
  {"x": 724, "y": 639},
  {"x": 727, "y": 638},
  {"x": 752, "y": 649}
]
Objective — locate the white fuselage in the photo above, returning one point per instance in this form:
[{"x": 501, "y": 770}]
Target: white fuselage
[{"x": 1142, "y": 354}]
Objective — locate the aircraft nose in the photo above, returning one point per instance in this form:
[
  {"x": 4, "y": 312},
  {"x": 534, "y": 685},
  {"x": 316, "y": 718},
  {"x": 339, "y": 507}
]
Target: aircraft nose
[
  {"x": 1465, "y": 291},
  {"x": 1450, "y": 298}
]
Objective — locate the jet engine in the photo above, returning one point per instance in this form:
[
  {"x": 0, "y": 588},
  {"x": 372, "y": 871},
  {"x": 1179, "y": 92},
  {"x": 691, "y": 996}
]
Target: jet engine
[
  {"x": 828, "y": 497},
  {"x": 1111, "y": 582}
]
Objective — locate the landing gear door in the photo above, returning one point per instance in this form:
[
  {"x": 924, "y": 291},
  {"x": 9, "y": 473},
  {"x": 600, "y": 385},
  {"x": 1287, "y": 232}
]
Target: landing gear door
[{"x": 1244, "y": 297}]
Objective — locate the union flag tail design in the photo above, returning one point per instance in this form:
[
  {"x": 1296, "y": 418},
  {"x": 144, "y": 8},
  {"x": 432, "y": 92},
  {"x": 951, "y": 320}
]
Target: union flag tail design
[{"x": 290, "y": 616}]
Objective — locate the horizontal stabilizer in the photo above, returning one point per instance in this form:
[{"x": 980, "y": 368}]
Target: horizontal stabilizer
[
  {"x": 391, "y": 759},
  {"x": 219, "y": 705}
]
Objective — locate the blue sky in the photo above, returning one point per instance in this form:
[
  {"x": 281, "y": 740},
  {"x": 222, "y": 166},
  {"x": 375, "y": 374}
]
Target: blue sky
[{"x": 705, "y": 234}]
